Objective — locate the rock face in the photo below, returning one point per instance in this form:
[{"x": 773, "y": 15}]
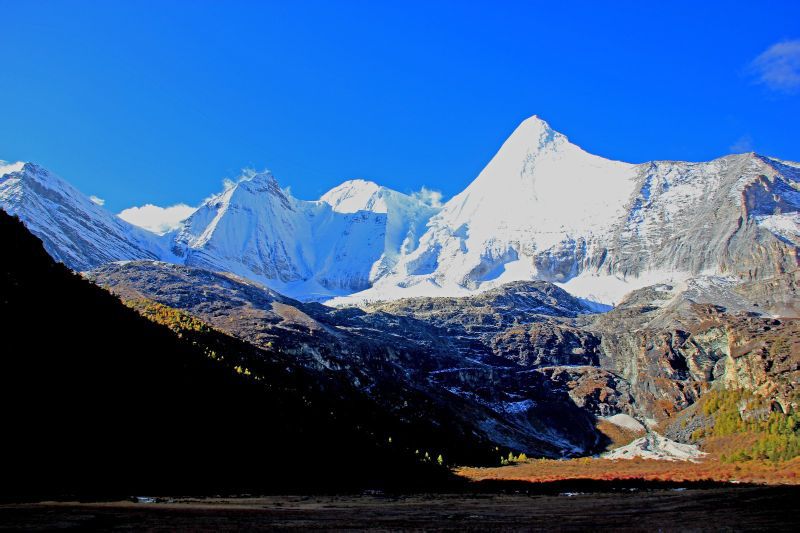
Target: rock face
[
  {"x": 709, "y": 217},
  {"x": 547, "y": 344},
  {"x": 674, "y": 344},
  {"x": 653, "y": 355},
  {"x": 542, "y": 209}
]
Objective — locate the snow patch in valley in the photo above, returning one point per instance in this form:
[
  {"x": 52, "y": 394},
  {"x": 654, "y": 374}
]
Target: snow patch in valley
[
  {"x": 515, "y": 407},
  {"x": 655, "y": 446},
  {"x": 610, "y": 289},
  {"x": 625, "y": 421}
]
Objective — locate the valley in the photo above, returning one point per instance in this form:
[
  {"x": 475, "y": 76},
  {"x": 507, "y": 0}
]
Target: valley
[{"x": 644, "y": 328}]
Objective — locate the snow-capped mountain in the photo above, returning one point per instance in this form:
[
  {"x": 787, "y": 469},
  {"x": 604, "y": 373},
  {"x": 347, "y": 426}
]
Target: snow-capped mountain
[
  {"x": 406, "y": 217},
  {"x": 545, "y": 209},
  {"x": 311, "y": 249},
  {"x": 537, "y": 203},
  {"x": 542, "y": 209},
  {"x": 74, "y": 230}
]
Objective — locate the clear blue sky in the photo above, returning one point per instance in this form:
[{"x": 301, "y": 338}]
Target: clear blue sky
[{"x": 159, "y": 101}]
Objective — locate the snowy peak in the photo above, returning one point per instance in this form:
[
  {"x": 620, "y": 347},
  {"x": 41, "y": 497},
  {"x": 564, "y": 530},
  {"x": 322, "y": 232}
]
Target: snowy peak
[
  {"x": 357, "y": 195},
  {"x": 532, "y": 138},
  {"x": 263, "y": 181},
  {"x": 254, "y": 221},
  {"x": 74, "y": 230},
  {"x": 310, "y": 249},
  {"x": 538, "y": 180},
  {"x": 539, "y": 196},
  {"x": 261, "y": 185},
  {"x": 535, "y": 132},
  {"x": 544, "y": 209}
]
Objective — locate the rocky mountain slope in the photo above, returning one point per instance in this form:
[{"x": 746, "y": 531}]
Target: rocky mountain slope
[
  {"x": 659, "y": 351},
  {"x": 527, "y": 364},
  {"x": 673, "y": 344},
  {"x": 414, "y": 368},
  {"x": 542, "y": 209}
]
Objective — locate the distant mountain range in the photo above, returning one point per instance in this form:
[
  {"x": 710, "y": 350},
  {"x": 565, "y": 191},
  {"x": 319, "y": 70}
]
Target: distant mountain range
[{"x": 542, "y": 209}]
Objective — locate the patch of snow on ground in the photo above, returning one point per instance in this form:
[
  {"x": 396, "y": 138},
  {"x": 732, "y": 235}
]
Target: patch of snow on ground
[
  {"x": 654, "y": 446},
  {"x": 515, "y": 407},
  {"x": 610, "y": 289},
  {"x": 625, "y": 421}
]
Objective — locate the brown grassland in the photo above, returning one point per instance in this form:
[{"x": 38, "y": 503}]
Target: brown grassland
[{"x": 710, "y": 468}]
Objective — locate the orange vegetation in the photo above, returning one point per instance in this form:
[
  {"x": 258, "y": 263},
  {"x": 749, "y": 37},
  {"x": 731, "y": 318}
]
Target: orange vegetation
[{"x": 711, "y": 468}]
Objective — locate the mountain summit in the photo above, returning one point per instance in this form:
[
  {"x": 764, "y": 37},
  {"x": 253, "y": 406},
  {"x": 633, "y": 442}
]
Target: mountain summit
[
  {"x": 74, "y": 230},
  {"x": 539, "y": 193},
  {"x": 542, "y": 209}
]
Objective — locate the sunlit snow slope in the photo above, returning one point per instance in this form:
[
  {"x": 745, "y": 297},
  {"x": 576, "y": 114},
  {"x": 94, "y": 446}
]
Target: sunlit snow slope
[
  {"x": 307, "y": 249},
  {"x": 74, "y": 230}
]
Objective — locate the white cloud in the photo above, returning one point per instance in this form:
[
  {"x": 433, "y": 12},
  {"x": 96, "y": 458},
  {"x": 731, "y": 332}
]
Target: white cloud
[
  {"x": 428, "y": 196},
  {"x": 778, "y": 67},
  {"x": 97, "y": 200},
  {"x": 157, "y": 219},
  {"x": 743, "y": 144}
]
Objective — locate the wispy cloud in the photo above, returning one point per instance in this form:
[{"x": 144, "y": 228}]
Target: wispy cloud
[
  {"x": 428, "y": 196},
  {"x": 97, "y": 200},
  {"x": 157, "y": 219},
  {"x": 743, "y": 144},
  {"x": 778, "y": 67}
]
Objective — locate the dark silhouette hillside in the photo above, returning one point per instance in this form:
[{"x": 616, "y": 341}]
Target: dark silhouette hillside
[{"x": 98, "y": 400}]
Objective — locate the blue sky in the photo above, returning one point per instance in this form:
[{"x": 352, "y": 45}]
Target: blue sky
[{"x": 139, "y": 102}]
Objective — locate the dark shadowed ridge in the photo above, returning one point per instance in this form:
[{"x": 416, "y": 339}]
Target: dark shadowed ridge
[{"x": 100, "y": 401}]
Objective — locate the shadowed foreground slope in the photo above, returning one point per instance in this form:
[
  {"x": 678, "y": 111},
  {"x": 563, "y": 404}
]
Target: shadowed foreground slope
[{"x": 98, "y": 400}]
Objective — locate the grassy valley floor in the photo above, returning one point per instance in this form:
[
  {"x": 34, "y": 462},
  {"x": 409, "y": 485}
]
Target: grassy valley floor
[{"x": 713, "y": 469}]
